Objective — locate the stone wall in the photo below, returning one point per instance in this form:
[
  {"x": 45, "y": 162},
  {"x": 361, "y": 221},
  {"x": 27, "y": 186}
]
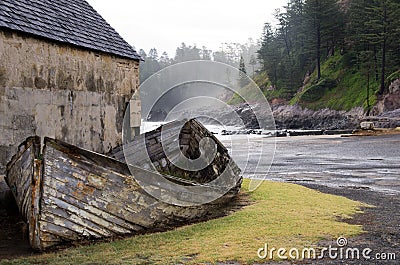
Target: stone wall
[{"x": 56, "y": 90}]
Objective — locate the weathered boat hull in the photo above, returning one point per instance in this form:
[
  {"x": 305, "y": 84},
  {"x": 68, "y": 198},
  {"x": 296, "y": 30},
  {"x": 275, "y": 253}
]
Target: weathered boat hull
[{"x": 71, "y": 194}]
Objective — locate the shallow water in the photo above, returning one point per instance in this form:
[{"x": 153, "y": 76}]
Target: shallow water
[{"x": 359, "y": 162}]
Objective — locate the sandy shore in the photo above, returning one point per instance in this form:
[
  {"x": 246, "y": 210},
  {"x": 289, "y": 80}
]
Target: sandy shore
[{"x": 375, "y": 132}]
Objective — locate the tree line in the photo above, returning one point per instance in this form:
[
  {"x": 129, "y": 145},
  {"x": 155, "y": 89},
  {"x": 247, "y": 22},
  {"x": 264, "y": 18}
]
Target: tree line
[
  {"x": 365, "y": 32},
  {"x": 234, "y": 54}
]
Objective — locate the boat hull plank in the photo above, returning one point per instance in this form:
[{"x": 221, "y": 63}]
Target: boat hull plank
[{"x": 69, "y": 194}]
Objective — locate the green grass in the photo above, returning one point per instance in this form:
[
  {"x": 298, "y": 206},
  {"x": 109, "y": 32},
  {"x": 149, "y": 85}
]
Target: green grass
[
  {"x": 392, "y": 77},
  {"x": 348, "y": 89},
  {"x": 282, "y": 215},
  {"x": 252, "y": 94}
]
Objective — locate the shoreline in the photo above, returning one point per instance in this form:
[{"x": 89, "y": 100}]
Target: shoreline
[
  {"x": 375, "y": 132},
  {"x": 381, "y": 223}
]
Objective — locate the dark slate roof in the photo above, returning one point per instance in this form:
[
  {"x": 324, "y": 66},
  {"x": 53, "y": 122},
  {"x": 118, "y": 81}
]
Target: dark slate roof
[{"x": 68, "y": 21}]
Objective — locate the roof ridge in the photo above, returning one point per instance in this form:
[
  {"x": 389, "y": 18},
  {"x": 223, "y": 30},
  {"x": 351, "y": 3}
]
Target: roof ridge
[{"x": 73, "y": 22}]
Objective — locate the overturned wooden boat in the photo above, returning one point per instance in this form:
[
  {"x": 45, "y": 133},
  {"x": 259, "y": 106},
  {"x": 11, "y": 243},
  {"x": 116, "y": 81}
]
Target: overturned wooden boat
[{"x": 68, "y": 194}]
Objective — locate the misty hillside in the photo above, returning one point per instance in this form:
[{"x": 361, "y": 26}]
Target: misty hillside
[{"x": 321, "y": 54}]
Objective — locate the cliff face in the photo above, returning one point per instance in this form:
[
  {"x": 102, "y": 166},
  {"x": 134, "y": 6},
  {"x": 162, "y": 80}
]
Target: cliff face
[{"x": 390, "y": 101}]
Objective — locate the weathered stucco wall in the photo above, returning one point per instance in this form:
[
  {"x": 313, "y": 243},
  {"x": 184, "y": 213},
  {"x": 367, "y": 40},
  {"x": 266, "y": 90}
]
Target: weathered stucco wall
[{"x": 56, "y": 90}]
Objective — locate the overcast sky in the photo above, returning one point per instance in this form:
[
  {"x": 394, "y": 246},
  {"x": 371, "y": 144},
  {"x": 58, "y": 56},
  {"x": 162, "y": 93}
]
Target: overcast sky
[{"x": 165, "y": 24}]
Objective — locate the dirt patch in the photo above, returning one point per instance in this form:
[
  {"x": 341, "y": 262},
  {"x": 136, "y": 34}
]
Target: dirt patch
[
  {"x": 13, "y": 238},
  {"x": 375, "y": 132}
]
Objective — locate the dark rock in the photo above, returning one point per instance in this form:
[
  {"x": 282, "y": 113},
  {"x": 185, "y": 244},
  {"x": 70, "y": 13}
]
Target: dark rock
[
  {"x": 296, "y": 117},
  {"x": 8, "y": 205},
  {"x": 292, "y": 117}
]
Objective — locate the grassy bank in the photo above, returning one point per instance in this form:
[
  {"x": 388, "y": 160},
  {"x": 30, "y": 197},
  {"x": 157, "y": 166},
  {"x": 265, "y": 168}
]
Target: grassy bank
[
  {"x": 343, "y": 86},
  {"x": 282, "y": 215}
]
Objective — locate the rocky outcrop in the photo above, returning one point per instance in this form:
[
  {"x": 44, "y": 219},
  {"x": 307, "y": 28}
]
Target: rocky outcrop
[
  {"x": 285, "y": 116},
  {"x": 388, "y": 119},
  {"x": 390, "y": 101},
  {"x": 388, "y": 107},
  {"x": 296, "y": 117}
]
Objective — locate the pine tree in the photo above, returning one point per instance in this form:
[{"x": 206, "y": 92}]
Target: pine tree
[
  {"x": 253, "y": 62},
  {"x": 205, "y": 53},
  {"x": 164, "y": 60},
  {"x": 374, "y": 30},
  {"x": 321, "y": 21},
  {"x": 143, "y": 71},
  {"x": 310, "y": 31},
  {"x": 151, "y": 64},
  {"x": 243, "y": 80},
  {"x": 153, "y": 54},
  {"x": 187, "y": 53},
  {"x": 242, "y": 66},
  {"x": 269, "y": 54}
]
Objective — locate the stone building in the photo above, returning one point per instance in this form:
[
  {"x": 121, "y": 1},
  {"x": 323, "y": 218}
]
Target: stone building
[{"x": 64, "y": 73}]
